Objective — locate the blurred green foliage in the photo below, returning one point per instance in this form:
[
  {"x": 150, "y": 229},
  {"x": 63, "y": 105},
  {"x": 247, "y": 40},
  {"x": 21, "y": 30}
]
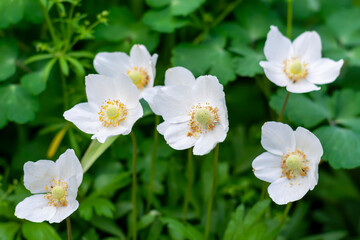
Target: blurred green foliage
[{"x": 46, "y": 49}]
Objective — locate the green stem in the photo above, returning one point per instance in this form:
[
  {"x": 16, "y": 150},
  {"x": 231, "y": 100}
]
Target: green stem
[
  {"x": 137, "y": 8},
  {"x": 289, "y": 18},
  {"x": 64, "y": 87},
  {"x": 284, "y": 216},
  {"x": 283, "y": 107},
  {"x": 68, "y": 225},
  {"x": 152, "y": 168},
  {"x": 190, "y": 182},
  {"x": 134, "y": 226},
  {"x": 49, "y": 23},
  {"x": 212, "y": 194}
]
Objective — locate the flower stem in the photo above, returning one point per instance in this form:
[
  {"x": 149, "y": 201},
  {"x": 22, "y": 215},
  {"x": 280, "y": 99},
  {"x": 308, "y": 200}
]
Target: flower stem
[
  {"x": 284, "y": 216},
  {"x": 134, "y": 227},
  {"x": 64, "y": 87},
  {"x": 68, "y": 224},
  {"x": 208, "y": 217},
  {"x": 283, "y": 107},
  {"x": 190, "y": 182},
  {"x": 49, "y": 23},
  {"x": 152, "y": 169},
  {"x": 289, "y": 18}
]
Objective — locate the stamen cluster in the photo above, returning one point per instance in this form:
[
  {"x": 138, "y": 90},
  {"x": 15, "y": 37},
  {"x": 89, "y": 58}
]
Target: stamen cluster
[
  {"x": 203, "y": 119},
  {"x": 57, "y": 193},
  {"x": 112, "y": 112}
]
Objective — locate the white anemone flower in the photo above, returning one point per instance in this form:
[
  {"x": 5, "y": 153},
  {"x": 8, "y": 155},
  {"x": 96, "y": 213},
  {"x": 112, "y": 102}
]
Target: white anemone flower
[
  {"x": 194, "y": 111},
  {"x": 290, "y": 163},
  {"x": 55, "y": 185},
  {"x": 113, "y": 107},
  {"x": 298, "y": 65},
  {"x": 139, "y": 66}
]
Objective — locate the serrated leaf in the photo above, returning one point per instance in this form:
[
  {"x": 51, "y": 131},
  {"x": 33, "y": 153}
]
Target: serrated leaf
[
  {"x": 341, "y": 146},
  {"x": 148, "y": 219},
  {"x": 186, "y": 230},
  {"x": 11, "y": 12},
  {"x": 184, "y": 7},
  {"x": 206, "y": 58},
  {"x": 103, "y": 207},
  {"x": 39, "y": 231},
  {"x": 163, "y": 21},
  {"x": 8, "y": 54},
  {"x": 34, "y": 82},
  {"x": 108, "y": 226},
  {"x": 346, "y": 103},
  {"x": 16, "y": 104},
  {"x": 248, "y": 66},
  {"x": 297, "y": 107}
]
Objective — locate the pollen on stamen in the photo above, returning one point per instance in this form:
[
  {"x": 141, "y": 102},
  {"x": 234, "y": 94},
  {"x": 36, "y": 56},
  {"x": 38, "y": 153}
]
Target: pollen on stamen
[
  {"x": 112, "y": 113},
  {"x": 203, "y": 119},
  {"x": 57, "y": 193},
  {"x": 294, "y": 164},
  {"x": 139, "y": 76},
  {"x": 295, "y": 69}
]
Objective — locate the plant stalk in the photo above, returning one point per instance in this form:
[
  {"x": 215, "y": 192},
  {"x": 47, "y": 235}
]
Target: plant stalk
[
  {"x": 134, "y": 223},
  {"x": 190, "y": 183}
]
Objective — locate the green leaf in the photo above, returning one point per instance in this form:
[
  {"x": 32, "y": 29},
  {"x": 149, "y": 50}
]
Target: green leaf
[
  {"x": 148, "y": 219},
  {"x": 16, "y": 104},
  {"x": 39, "y": 231},
  {"x": 342, "y": 25},
  {"x": 8, "y": 230},
  {"x": 163, "y": 21},
  {"x": 297, "y": 107},
  {"x": 346, "y": 103},
  {"x": 236, "y": 223},
  {"x": 8, "y": 54},
  {"x": 335, "y": 235},
  {"x": 33, "y": 11},
  {"x": 184, "y": 7},
  {"x": 206, "y": 58},
  {"x": 78, "y": 67},
  {"x": 187, "y": 231},
  {"x": 255, "y": 213},
  {"x": 64, "y": 66},
  {"x": 108, "y": 226},
  {"x": 341, "y": 146},
  {"x": 10, "y": 12},
  {"x": 94, "y": 151},
  {"x": 248, "y": 66},
  {"x": 38, "y": 57},
  {"x": 103, "y": 207},
  {"x": 157, "y": 3},
  {"x": 34, "y": 82}
]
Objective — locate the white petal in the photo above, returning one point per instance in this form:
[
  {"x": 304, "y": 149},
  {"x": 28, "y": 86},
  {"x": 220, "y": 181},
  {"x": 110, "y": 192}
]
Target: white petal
[
  {"x": 277, "y": 47},
  {"x": 85, "y": 117},
  {"x": 153, "y": 61},
  {"x": 207, "y": 89},
  {"x": 111, "y": 64},
  {"x": 100, "y": 88},
  {"x": 69, "y": 166},
  {"x": 104, "y": 133},
  {"x": 38, "y": 174},
  {"x": 303, "y": 86},
  {"x": 208, "y": 141},
  {"x": 309, "y": 144},
  {"x": 133, "y": 115},
  {"x": 139, "y": 56},
  {"x": 162, "y": 127},
  {"x": 176, "y": 136},
  {"x": 277, "y": 138},
  {"x": 179, "y": 76},
  {"x": 283, "y": 191},
  {"x": 35, "y": 208},
  {"x": 324, "y": 71},
  {"x": 64, "y": 212},
  {"x": 308, "y": 46},
  {"x": 267, "y": 167},
  {"x": 275, "y": 73},
  {"x": 149, "y": 94},
  {"x": 313, "y": 175},
  {"x": 174, "y": 103}
]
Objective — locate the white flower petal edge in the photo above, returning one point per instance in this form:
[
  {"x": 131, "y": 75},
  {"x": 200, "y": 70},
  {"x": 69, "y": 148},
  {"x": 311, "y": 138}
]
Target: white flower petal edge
[
  {"x": 291, "y": 163},
  {"x": 194, "y": 111},
  {"x": 298, "y": 66},
  {"x": 113, "y": 107},
  {"x": 139, "y": 66},
  {"x": 59, "y": 180}
]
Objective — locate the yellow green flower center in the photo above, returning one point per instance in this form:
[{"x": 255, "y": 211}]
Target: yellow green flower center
[
  {"x": 204, "y": 118},
  {"x": 57, "y": 193},
  {"x": 295, "y": 69},
  {"x": 294, "y": 164},
  {"x": 138, "y": 76},
  {"x": 112, "y": 113}
]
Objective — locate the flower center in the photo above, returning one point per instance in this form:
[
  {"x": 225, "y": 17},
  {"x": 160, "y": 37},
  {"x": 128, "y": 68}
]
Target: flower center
[
  {"x": 57, "y": 193},
  {"x": 112, "y": 113},
  {"x": 138, "y": 76},
  {"x": 294, "y": 164},
  {"x": 295, "y": 69},
  {"x": 203, "y": 119}
]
